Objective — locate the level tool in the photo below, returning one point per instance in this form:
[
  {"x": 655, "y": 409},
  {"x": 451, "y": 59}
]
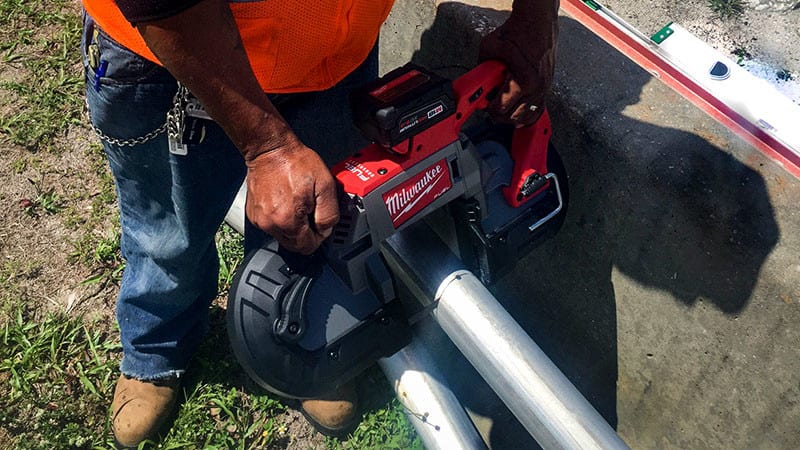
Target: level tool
[{"x": 751, "y": 107}]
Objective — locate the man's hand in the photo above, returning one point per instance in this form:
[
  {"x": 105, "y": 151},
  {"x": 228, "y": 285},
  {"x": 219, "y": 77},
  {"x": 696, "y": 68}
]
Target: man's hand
[
  {"x": 526, "y": 44},
  {"x": 292, "y": 196}
]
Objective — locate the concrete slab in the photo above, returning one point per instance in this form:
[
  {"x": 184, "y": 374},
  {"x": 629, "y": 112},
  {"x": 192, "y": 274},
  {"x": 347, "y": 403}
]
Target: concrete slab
[{"x": 672, "y": 293}]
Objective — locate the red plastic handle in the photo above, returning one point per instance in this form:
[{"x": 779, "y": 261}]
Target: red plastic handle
[
  {"x": 472, "y": 89},
  {"x": 529, "y": 152},
  {"x": 529, "y": 144}
]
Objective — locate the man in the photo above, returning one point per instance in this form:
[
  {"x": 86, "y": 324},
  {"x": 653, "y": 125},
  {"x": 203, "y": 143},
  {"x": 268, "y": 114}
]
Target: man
[{"x": 174, "y": 190}]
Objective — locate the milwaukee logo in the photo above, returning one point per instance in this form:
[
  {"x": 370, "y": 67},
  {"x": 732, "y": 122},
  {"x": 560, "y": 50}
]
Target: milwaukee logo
[{"x": 410, "y": 197}]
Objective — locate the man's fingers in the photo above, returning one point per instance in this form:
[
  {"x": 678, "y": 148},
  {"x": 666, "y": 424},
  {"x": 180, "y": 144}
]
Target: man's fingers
[
  {"x": 326, "y": 211},
  {"x": 300, "y": 240},
  {"x": 526, "y": 114},
  {"x": 503, "y": 105},
  {"x": 513, "y": 89},
  {"x": 312, "y": 222},
  {"x": 513, "y": 106}
]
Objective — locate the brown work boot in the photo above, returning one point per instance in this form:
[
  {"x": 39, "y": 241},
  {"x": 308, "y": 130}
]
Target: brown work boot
[
  {"x": 335, "y": 414},
  {"x": 141, "y": 408}
]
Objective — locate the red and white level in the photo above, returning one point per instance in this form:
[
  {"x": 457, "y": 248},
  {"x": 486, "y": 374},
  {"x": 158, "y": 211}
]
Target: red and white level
[{"x": 747, "y": 105}]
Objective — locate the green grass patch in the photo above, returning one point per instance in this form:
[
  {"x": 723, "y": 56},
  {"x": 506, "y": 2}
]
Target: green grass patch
[
  {"x": 230, "y": 247},
  {"x": 39, "y": 46},
  {"x": 46, "y": 201},
  {"x": 56, "y": 375},
  {"x": 727, "y": 9},
  {"x": 384, "y": 428},
  {"x": 103, "y": 256},
  {"x": 741, "y": 55}
]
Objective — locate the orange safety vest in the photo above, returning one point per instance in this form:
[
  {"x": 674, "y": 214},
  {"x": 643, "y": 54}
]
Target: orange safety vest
[{"x": 293, "y": 45}]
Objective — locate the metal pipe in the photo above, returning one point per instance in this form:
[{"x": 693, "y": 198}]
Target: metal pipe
[
  {"x": 533, "y": 388},
  {"x": 550, "y": 408},
  {"x": 235, "y": 215},
  {"x": 431, "y": 406}
]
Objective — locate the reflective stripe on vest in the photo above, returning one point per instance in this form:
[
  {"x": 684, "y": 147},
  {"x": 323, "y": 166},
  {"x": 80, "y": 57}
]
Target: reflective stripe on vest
[{"x": 293, "y": 45}]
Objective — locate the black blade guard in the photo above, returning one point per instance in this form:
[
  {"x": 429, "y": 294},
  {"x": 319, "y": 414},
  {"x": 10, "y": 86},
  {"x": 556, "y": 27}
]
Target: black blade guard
[{"x": 298, "y": 330}]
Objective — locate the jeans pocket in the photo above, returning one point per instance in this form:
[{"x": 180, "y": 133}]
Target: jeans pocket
[
  {"x": 126, "y": 67},
  {"x": 129, "y": 113},
  {"x": 119, "y": 64},
  {"x": 130, "y": 100}
]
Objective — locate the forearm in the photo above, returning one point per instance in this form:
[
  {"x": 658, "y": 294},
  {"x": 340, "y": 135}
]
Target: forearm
[
  {"x": 201, "y": 47},
  {"x": 539, "y": 17},
  {"x": 535, "y": 11}
]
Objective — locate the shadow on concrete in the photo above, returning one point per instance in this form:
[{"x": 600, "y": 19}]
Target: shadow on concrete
[{"x": 665, "y": 208}]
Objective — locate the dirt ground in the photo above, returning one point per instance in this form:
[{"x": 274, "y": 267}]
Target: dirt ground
[{"x": 39, "y": 244}]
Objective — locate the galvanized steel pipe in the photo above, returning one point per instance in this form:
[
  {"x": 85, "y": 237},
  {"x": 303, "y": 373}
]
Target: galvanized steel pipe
[{"x": 430, "y": 405}]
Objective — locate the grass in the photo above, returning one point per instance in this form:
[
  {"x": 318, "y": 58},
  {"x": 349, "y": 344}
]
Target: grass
[
  {"x": 741, "y": 55},
  {"x": 230, "y": 246},
  {"x": 727, "y": 9},
  {"x": 46, "y": 201},
  {"x": 56, "y": 376},
  {"x": 39, "y": 48},
  {"x": 382, "y": 428},
  {"x": 103, "y": 256}
]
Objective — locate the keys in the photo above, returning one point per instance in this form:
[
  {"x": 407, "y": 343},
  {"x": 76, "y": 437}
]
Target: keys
[{"x": 186, "y": 122}]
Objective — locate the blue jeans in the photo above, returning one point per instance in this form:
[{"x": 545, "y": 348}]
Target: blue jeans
[{"x": 171, "y": 206}]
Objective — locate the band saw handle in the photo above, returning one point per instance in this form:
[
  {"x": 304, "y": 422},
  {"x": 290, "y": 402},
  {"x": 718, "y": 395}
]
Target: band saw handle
[
  {"x": 475, "y": 90},
  {"x": 529, "y": 153}
]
